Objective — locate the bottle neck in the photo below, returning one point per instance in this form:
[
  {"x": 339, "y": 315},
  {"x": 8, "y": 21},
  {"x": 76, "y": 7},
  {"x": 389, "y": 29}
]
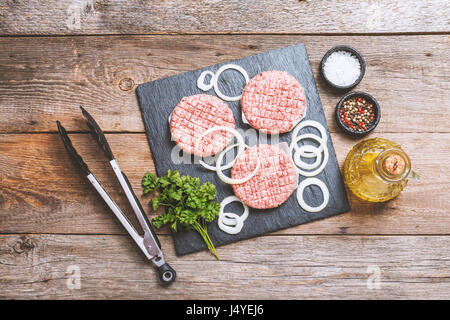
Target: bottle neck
[{"x": 393, "y": 165}]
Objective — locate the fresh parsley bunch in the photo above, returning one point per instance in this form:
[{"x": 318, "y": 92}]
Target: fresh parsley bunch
[{"x": 189, "y": 205}]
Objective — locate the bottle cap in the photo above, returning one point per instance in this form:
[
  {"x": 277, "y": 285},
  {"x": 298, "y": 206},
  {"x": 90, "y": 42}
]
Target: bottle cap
[{"x": 394, "y": 164}]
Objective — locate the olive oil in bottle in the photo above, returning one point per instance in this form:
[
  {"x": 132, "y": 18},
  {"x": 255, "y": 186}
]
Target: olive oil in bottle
[{"x": 377, "y": 170}]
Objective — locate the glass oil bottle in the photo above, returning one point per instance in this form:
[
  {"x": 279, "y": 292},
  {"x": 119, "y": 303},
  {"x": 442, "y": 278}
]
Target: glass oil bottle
[{"x": 377, "y": 170}]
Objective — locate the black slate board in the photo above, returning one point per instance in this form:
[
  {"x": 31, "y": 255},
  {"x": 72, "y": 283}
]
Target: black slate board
[{"x": 157, "y": 100}]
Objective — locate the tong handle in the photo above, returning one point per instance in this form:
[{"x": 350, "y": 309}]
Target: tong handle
[
  {"x": 166, "y": 273},
  {"x": 148, "y": 226}
]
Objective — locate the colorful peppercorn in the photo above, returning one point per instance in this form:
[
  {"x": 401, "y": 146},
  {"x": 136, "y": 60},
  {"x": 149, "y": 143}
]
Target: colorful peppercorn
[{"x": 357, "y": 114}]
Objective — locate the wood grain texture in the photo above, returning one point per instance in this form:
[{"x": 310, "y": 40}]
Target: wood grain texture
[
  {"x": 217, "y": 16},
  {"x": 42, "y": 192},
  {"x": 308, "y": 267},
  {"x": 44, "y": 79}
]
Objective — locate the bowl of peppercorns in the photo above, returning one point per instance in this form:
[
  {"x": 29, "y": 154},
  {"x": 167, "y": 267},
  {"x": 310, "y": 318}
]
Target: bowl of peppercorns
[{"x": 358, "y": 113}]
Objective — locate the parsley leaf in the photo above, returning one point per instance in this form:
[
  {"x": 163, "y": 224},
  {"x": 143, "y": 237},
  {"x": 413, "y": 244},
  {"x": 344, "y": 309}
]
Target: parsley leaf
[
  {"x": 150, "y": 182},
  {"x": 189, "y": 205}
]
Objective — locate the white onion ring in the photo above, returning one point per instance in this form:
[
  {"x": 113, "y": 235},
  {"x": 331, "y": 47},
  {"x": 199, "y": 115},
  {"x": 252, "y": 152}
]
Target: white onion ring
[
  {"x": 226, "y": 219},
  {"x": 323, "y": 188},
  {"x": 309, "y": 123},
  {"x": 307, "y": 151},
  {"x": 295, "y": 139},
  {"x": 240, "y": 142},
  {"x": 295, "y": 146},
  {"x": 319, "y": 169},
  {"x": 231, "y": 229},
  {"x": 230, "y": 219},
  {"x": 301, "y": 166},
  {"x": 215, "y": 78},
  {"x": 313, "y": 152},
  {"x": 201, "y": 81},
  {"x": 229, "y": 180},
  {"x": 231, "y": 199}
]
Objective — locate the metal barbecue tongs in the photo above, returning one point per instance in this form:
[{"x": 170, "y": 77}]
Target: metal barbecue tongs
[{"x": 149, "y": 243}]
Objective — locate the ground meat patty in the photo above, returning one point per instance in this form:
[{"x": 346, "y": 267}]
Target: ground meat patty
[
  {"x": 193, "y": 116},
  {"x": 273, "y": 102},
  {"x": 274, "y": 182}
]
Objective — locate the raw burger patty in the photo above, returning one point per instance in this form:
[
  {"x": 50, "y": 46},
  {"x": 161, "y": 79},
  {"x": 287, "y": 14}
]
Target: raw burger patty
[
  {"x": 194, "y": 115},
  {"x": 273, "y": 102},
  {"x": 274, "y": 182}
]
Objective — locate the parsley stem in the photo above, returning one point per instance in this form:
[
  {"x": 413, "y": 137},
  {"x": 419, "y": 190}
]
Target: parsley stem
[
  {"x": 202, "y": 229},
  {"x": 167, "y": 204}
]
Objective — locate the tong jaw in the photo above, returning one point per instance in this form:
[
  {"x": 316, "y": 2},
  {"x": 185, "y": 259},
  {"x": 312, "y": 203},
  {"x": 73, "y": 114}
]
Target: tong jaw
[
  {"x": 98, "y": 133},
  {"x": 71, "y": 150}
]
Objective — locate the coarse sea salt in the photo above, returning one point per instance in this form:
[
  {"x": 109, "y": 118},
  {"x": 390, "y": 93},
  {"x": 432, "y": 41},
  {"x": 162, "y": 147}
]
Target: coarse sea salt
[{"x": 342, "y": 68}]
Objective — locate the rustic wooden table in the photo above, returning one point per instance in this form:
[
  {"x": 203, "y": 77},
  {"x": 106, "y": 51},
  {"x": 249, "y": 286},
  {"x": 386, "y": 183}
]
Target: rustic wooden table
[{"x": 55, "y": 56}]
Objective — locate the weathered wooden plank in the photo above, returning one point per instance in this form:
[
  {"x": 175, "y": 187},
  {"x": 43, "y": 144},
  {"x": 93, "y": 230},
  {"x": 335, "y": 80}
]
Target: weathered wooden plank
[
  {"x": 283, "y": 267},
  {"x": 216, "y": 16},
  {"x": 42, "y": 192},
  {"x": 44, "y": 79}
]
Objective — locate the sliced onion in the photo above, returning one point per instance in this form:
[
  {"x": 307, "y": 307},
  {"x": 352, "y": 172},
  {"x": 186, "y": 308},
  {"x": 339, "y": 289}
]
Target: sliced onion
[
  {"x": 231, "y": 199},
  {"x": 240, "y": 142},
  {"x": 302, "y": 152},
  {"x": 308, "y": 151},
  {"x": 201, "y": 81},
  {"x": 311, "y": 136},
  {"x": 319, "y": 169},
  {"x": 309, "y": 123},
  {"x": 229, "y": 180},
  {"x": 231, "y": 229},
  {"x": 231, "y": 223},
  {"x": 323, "y": 188},
  {"x": 215, "y": 79},
  {"x": 314, "y": 151},
  {"x": 230, "y": 219}
]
